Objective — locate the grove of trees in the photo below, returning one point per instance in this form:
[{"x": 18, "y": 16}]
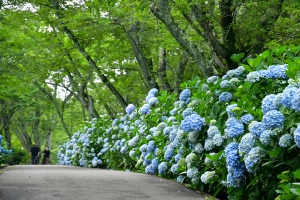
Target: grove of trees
[{"x": 64, "y": 62}]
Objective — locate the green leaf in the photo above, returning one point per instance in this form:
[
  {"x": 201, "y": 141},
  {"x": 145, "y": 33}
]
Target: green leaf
[
  {"x": 214, "y": 157},
  {"x": 237, "y": 57},
  {"x": 295, "y": 191},
  {"x": 297, "y": 173}
]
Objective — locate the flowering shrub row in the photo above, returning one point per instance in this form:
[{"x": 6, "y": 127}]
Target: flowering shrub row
[
  {"x": 4, "y": 152},
  {"x": 232, "y": 136}
]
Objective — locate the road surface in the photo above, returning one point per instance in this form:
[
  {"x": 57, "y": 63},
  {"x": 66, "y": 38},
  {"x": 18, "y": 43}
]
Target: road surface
[{"x": 48, "y": 182}]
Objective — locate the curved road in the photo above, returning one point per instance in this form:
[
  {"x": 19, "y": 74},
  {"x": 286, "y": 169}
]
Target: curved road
[{"x": 48, "y": 182}]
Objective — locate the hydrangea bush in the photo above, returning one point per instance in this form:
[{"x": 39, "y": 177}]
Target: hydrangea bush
[
  {"x": 232, "y": 135},
  {"x": 5, "y": 153}
]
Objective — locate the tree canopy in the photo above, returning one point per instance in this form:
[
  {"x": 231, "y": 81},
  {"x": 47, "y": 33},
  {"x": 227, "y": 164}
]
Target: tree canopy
[{"x": 64, "y": 62}]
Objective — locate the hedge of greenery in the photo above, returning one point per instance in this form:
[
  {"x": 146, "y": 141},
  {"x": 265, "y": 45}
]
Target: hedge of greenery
[
  {"x": 235, "y": 137},
  {"x": 5, "y": 153}
]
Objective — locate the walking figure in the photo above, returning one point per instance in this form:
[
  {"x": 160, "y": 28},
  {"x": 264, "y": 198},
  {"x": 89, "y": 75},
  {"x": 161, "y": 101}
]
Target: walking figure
[
  {"x": 46, "y": 158},
  {"x": 35, "y": 154}
]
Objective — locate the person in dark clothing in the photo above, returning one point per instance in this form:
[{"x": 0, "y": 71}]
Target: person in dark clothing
[
  {"x": 35, "y": 154},
  {"x": 46, "y": 158}
]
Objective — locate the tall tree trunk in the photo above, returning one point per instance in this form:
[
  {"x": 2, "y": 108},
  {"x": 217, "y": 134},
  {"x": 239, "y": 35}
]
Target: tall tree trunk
[
  {"x": 162, "y": 11},
  {"x": 180, "y": 72},
  {"x": 35, "y": 127},
  {"x": 145, "y": 64},
  {"x": 162, "y": 70},
  {"x": 6, "y": 122}
]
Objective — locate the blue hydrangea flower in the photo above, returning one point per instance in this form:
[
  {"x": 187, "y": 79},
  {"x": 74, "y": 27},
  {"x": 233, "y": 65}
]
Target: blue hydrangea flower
[
  {"x": 287, "y": 96},
  {"x": 180, "y": 179},
  {"x": 236, "y": 72},
  {"x": 225, "y": 84},
  {"x": 268, "y": 103},
  {"x": 150, "y": 169},
  {"x": 246, "y": 144},
  {"x": 212, "y": 131},
  {"x": 192, "y": 136},
  {"x": 253, "y": 77},
  {"x": 162, "y": 168},
  {"x": 167, "y": 130},
  {"x": 173, "y": 135},
  {"x": 143, "y": 148},
  {"x": 187, "y": 112},
  {"x": 144, "y": 109},
  {"x": 153, "y": 91},
  {"x": 152, "y": 101},
  {"x": 297, "y": 135},
  {"x": 177, "y": 157},
  {"x": 212, "y": 79},
  {"x": 285, "y": 140},
  {"x": 256, "y": 128},
  {"x": 278, "y": 71},
  {"x": 253, "y": 158},
  {"x": 148, "y": 137},
  {"x": 131, "y": 153},
  {"x": 218, "y": 140},
  {"x": 246, "y": 119},
  {"x": 235, "y": 176},
  {"x": 234, "y": 81},
  {"x": 174, "y": 111},
  {"x": 123, "y": 149},
  {"x": 208, "y": 144},
  {"x": 296, "y": 101},
  {"x": 190, "y": 158},
  {"x": 225, "y": 97},
  {"x": 278, "y": 100},
  {"x": 151, "y": 146},
  {"x": 174, "y": 168},
  {"x": 225, "y": 77},
  {"x": 207, "y": 176},
  {"x": 265, "y": 137},
  {"x": 229, "y": 110},
  {"x": 234, "y": 128},
  {"x": 265, "y": 74},
  {"x": 133, "y": 141},
  {"x": 192, "y": 123},
  {"x": 198, "y": 148},
  {"x": 192, "y": 172},
  {"x": 273, "y": 119},
  {"x": 185, "y": 95},
  {"x": 169, "y": 154}
]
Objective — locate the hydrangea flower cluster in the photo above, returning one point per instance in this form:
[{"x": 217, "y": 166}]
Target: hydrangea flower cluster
[{"x": 236, "y": 175}]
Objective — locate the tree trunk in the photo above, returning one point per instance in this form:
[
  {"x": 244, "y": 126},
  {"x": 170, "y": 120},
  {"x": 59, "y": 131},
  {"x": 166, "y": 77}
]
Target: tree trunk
[
  {"x": 162, "y": 11},
  {"x": 162, "y": 70},
  {"x": 180, "y": 72},
  {"x": 6, "y": 122},
  {"x": 35, "y": 127},
  {"x": 145, "y": 64}
]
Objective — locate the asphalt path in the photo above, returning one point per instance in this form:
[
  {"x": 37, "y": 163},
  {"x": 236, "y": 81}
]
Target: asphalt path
[{"x": 48, "y": 182}]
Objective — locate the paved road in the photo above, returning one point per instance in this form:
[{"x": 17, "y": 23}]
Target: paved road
[{"x": 48, "y": 182}]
